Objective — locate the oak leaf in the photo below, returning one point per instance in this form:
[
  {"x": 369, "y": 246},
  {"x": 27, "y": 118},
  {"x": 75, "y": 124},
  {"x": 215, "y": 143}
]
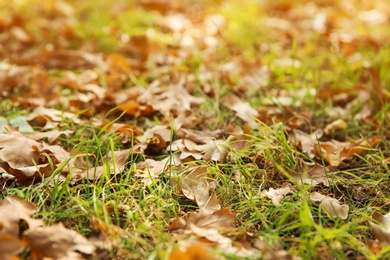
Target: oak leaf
[
  {"x": 12, "y": 210},
  {"x": 331, "y": 205},
  {"x": 381, "y": 228},
  {"x": 56, "y": 241},
  {"x": 277, "y": 195}
]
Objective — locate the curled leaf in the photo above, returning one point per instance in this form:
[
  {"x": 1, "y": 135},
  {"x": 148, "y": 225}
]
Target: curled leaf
[
  {"x": 381, "y": 229},
  {"x": 331, "y": 205}
]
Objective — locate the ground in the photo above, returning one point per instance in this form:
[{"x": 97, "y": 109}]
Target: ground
[{"x": 201, "y": 129}]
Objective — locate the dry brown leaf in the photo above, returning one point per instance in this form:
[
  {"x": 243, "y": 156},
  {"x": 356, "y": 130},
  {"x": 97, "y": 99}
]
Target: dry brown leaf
[
  {"x": 49, "y": 117},
  {"x": 118, "y": 63},
  {"x": 56, "y": 241},
  {"x": 270, "y": 253},
  {"x": 196, "y": 184},
  {"x": 51, "y": 136},
  {"x": 111, "y": 164},
  {"x": 175, "y": 98},
  {"x": 334, "y": 152},
  {"x": 63, "y": 59},
  {"x": 339, "y": 124},
  {"x": 24, "y": 159},
  {"x": 331, "y": 205},
  {"x": 10, "y": 247},
  {"x": 201, "y": 137},
  {"x": 164, "y": 131},
  {"x": 313, "y": 173},
  {"x": 152, "y": 169},
  {"x": 12, "y": 210},
  {"x": 277, "y": 195},
  {"x": 381, "y": 228},
  {"x": 190, "y": 253},
  {"x": 222, "y": 218},
  {"x": 243, "y": 109},
  {"x": 306, "y": 142},
  {"x": 217, "y": 152},
  {"x": 75, "y": 81},
  {"x": 18, "y": 151},
  {"x": 34, "y": 81},
  {"x": 189, "y": 149}
]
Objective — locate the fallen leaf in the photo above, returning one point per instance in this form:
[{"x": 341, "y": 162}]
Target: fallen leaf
[
  {"x": 306, "y": 142},
  {"x": 195, "y": 183},
  {"x": 277, "y": 195},
  {"x": 222, "y": 218},
  {"x": 381, "y": 228},
  {"x": 313, "y": 173},
  {"x": 192, "y": 252},
  {"x": 150, "y": 169},
  {"x": 12, "y": 210},
  {"x": 243, "y": 109},
  {"x": 10, "y": 247},
  {"x": 51, "y": 135},
  {"x": 339, "y": 124},
  {"x": 56, "y": 241},
  {"x": 216, "y": 152},
  {"x": 334, "y": 152},
  {"x": 63, "y": 59},
  {"x": 331, "y": 205},
  {"x": 17, "y": 150},
  {"x": 112, "y": 164}
]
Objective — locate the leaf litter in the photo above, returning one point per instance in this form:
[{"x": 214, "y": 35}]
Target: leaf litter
[{"x": 64, "y": 81}]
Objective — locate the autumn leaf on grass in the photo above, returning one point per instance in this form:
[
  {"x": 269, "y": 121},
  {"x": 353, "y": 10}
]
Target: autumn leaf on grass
[
  {"x": 127, "y": 132},
  {"x": 10, "y": 247},
  {"x": 56, "y": 241},
  {"x": 136, "y": 109},
  {"x": 271, "y": 252},
  {"x": 381, "y": 228},
  {"x": 222, "y": 218},
  {"x": 331, "y": 205},
  {"x": 17, "y": 150},
  {"x": 334, "y": 152},
  {"x": 277, "y": 195},
  {"x": 338, "y": 124},
  {"x": 151, "y": 169},
  {"x": 175, "y": 98},
  {"x": 312, "y": 173},
  {"x": 216, "y": 152},
  {"x": 238, "y": 143},
  {"x": 195, "y": 183},
  {"x": 49, "y": 118},
  {"x": 243, "y": 109},
  {"x": 213, "y": 231},
  {"x": 24, "y": 159},
  {"x": 78, "y": 81},
  {"x": 188, "y": 149},
  {"x": 199, "y": 136},
  {"x": 197, "y": 145},
  {"x": 111, "y": 164},
  {"x": 192, "y": 252},
  {"x": 306, "y": 142},
  {"x": 51, "y": 135},
  {"x": 21, "y": 157},
  {"x": 12, "y": 210},
  {"x": 31, "y": 81},
  {"x": 63, "y": 59}
]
